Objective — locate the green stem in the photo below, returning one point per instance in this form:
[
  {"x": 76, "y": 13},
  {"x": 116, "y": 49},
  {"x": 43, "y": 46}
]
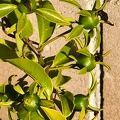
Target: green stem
[
  {"x": 40, "y": 60},
  {"x": 53, "y": 39}
]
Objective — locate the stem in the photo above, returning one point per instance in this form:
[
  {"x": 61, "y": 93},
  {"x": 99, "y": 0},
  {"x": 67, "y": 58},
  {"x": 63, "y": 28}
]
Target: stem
[
  {"x": 35, "y": 50},
  {"x": 29, "y": 43},
  {"x": 53, "y": 39}
]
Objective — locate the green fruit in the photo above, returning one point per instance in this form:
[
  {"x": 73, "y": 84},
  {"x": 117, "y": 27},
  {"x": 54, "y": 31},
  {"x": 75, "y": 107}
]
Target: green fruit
[
  {"x": 89, "y": 22},
  {"x": 85, "y": 61},
  {"x": 31, "y": 102},
  {"x": 81, "y": 101}
]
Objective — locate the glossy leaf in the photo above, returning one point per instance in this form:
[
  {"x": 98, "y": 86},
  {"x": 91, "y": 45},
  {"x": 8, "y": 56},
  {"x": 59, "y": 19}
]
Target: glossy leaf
[
  {"x": 61, "y": 80},
  {"x": 2, "y": 88},
  {"x": 94, "y": 108},
  {"x": 82, "y": 114},
  {"x": 104, "y": 64},
  {"x": 45, "y": 27},
  {"x": 70, "y": 19},
  {"x": 34, "y": 70},
  {"x": 46, "y": 103},
  {"x": 102, "y": 6},
  {"x": 96, "y": 5},
  {"x": 5, "y": 9},
  {"x": 18, "y": 89},
  {"x": 87, "y": 38},
  {"x": 12, "y": 29},
  {"x": 53, "y": 114},
  {"x": 19, "y": 43},
  {"x": 96, "y": 117},
  {"x": 28, "y": 30},
  {"x": 22, "y": 113},
  {"x": 63, "y": 55},
  {"x": 79, "y": 41},
  {"x": 93, "y": 84},
  {"x": 76, "y": 31},
  {"x": 32, "y": 88},
  {"x": 52, "y": 16},
  {"x": 98, "y": 38},
  {"x": 105, "y": 54},
  {"x": 7, "y": 50},
  {"x": 33, "y": 4},
  {"x": 21, "y": 23},
  {"x": 67, "y": 102},
  {"x": 6, "y": 104},
  {"x": 82, "y": 71},
  {"x": 84, "y": 13},
  {"x": 14, "y": 16},
  {"x": 84, "y": 51},
  {"x": 73, "y": 2}
]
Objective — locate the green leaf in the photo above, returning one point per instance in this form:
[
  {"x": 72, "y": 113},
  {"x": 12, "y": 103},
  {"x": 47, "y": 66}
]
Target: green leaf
[
  {"x": 14, "y": 16},
  {"x": 12, "y": 29},
  {"x": 33, "y": 4},
  {"x": 6, "y": 104},
  {"x": 102, "y": 6},
  {"x": 73, "y": 2},
  {"x": 84, "y": 13},
  {"x": 5, "y": 9},
  {"x": 7, "y": 50},
  {"x": 2, "y": 88},
  {"x": 98, "y": 38},
  {"x": 22, "y": 113},
  {"x": 67, "y": 102},
  {"x": 18, "y": 89},
  {"x": 21, "y": 23},
  {"x": 47, "y": 103},
  {"x": 52, "y": 16},
  {"x": 84, "y": 51},
  {"x": 19, "y": 43},
  {"x": 96, "y": 5},
  {"x": 32, "y": 88},
  {"x": 93, "y": 84},
  {"x": 34, "y": 70},
  {"x": 28, "y": 30},
  {"x": 87, "y": 38},
  {"x": 82, "y": 114},
  {"x": 45, "y": 27},
  {"x": 63, "y": 55},
  {"x": 61, "y": 80},
  {"x": 94, "y": 108},
  {"x": 104, "y": 64},
  {"x": 76, "y": 31},
  {"x": 53, "y": 114},
  {"x": 70, "y": 19},
  {"x": 96, "y": 117},
  {"x": 82, "y": 71},
  {"x": 105, "y": 54}
]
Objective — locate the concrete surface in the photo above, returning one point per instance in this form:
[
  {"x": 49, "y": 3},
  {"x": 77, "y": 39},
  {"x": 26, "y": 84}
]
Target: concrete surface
[{"x": 109, "y": 81}]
